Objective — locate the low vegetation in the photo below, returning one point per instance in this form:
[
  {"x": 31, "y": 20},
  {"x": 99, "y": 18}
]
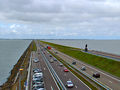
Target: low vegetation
[
  {"x": 104, "y": 64},
  {"x": 34, "y": 46}
]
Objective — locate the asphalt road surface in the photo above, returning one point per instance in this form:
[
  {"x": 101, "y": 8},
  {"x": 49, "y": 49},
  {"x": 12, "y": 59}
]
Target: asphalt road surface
[
  {"x": 65, "y": 76},
  {"x": 107, "y": 79},
  {"x": 48, "y": 80}
]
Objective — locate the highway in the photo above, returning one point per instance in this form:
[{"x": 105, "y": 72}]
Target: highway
[
  {"x": 105, "y": 78},
  {"x": 63, "y": 76},
  {"x": 48, "y": 79}
]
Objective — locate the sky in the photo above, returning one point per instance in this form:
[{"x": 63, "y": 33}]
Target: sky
[{"x": 60, "y": 19}]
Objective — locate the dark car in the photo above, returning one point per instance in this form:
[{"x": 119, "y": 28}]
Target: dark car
[
  {"x": 96, "y": 75},
  {"x": 50, "y": 55},
  {"x": 54, "y": 59},
  {"x": 61, "y": 64},
  {"x": 38, "y": 88},
  {"x": 74, "y": 63},
  {"x": 56, "y": 52}
]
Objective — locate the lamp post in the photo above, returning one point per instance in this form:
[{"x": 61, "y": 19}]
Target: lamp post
[{"x": 20, "y": 78}]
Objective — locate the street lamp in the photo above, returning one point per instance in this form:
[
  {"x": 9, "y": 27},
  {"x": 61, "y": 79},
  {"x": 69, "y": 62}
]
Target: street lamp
[{"x": 20, "y": 78}]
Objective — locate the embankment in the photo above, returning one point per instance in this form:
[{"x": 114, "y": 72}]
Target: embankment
[
  {"x": 13, "y": 80},
  {"x": 107, "y": 65}
]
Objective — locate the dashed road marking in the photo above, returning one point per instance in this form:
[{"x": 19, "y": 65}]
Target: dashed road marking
[
  {"x": 52, "y": 88},
  {"x": 75, "y": 86},
  {"x": 110, "y": 81},
  {"x": 44, "y": 68}
]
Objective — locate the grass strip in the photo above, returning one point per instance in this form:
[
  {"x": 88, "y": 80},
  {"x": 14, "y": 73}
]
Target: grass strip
[
  {"x": 107, "y": 65},
  {"x": 34, "y": 46}
]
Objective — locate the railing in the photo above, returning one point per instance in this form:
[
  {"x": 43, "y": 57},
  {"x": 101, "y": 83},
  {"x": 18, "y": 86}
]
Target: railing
[{"x": 59, "y": 82}]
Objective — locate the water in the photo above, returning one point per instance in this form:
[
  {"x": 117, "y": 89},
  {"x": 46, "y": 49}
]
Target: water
[
  {"x": 10, "y": 52},
  {"x": 110, "y": 46}
]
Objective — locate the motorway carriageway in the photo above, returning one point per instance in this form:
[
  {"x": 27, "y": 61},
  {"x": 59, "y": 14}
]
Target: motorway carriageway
[
  {"x": 48, "y": 79},
  {"x": 64, "y": 76},
  {"x": 105, "y": 78}
]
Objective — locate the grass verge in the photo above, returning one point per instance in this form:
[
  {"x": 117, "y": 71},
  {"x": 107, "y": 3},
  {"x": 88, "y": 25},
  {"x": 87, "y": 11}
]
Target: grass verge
[
  {"x": 107, "y": 65},
  {"x": 34, "y": 46}
]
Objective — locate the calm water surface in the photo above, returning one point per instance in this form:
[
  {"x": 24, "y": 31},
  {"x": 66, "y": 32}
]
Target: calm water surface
[
  {"x": 10, "y": 52},
  {"x": 110, "y": 46}
]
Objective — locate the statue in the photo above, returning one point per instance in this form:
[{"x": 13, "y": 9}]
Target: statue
[{"x": 86, "y": 49}]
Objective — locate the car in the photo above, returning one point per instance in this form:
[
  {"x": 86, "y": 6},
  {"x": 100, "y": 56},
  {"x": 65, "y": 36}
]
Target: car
[
  {"x": 54, "y": 59},
  {"x": 41, "y": 84},
  {"x": 56, "y": 52},
  {"x": 83, "y": 68},
  {"x": 61, "y": 64},
  {"x": 36, "y": 60},
  {"x": 65, "y": 69},
  {"x": 37, "y": 70},
  {"x": 38, "y": 88},
  {"x": 96, "y": 75},
  {"x": 74, "y": 63},
  {"x": 50, "y": 55},
  {"x": 38, "y": 75},
  {"x": 51, "y": 61},
  {"x": 69, "y": 84},
  {"x": 36, "y": 81}
]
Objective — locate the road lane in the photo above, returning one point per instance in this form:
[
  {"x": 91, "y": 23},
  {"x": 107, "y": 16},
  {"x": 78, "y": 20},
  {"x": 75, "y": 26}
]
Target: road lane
[
  {"x": 65, "y": 76},
  {"x": 48, "y": 79},
  {"x": 106, "y": 79}
]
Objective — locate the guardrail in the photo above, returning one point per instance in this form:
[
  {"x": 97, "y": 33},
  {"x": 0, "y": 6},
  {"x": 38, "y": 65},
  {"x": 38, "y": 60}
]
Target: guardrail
[
  {"x": 28, "y": 76},
  {"x": 88, "y": 76},
  {"x": 61, "y": 85}
]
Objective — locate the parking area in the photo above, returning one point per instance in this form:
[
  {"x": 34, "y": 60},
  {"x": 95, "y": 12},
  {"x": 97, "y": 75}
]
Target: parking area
[{"x": 40, "y": 76}]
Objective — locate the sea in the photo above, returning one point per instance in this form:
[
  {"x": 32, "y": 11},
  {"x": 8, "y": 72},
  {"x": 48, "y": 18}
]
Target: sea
[
  {"x": 10, "y": 52},
  {"x": 109, "y": 46}
]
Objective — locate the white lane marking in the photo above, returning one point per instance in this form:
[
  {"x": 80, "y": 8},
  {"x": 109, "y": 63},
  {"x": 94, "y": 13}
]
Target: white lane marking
[
  {"x": 91, "y": 71},
  {"x": 44, "y": 68},
  {"x": 75, "y": 86},
  {"x": 52, "y": 88},
  {"x": 110, "y": 81}
]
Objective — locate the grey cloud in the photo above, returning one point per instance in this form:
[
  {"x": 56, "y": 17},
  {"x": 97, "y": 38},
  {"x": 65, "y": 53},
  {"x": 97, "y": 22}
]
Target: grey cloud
[{"x": 96, "y": 17}]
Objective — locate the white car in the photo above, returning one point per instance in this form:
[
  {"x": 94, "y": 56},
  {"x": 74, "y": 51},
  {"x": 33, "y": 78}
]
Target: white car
[
  {"x": 69, "y": 84},
  {"x": 38, "y": 75},
  {"x": 83, "y": 68},
  {"x": 36, "y": 60}
]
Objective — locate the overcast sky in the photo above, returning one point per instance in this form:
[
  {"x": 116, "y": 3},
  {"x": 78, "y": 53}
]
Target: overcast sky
[{"x": 60, "y": 19}]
